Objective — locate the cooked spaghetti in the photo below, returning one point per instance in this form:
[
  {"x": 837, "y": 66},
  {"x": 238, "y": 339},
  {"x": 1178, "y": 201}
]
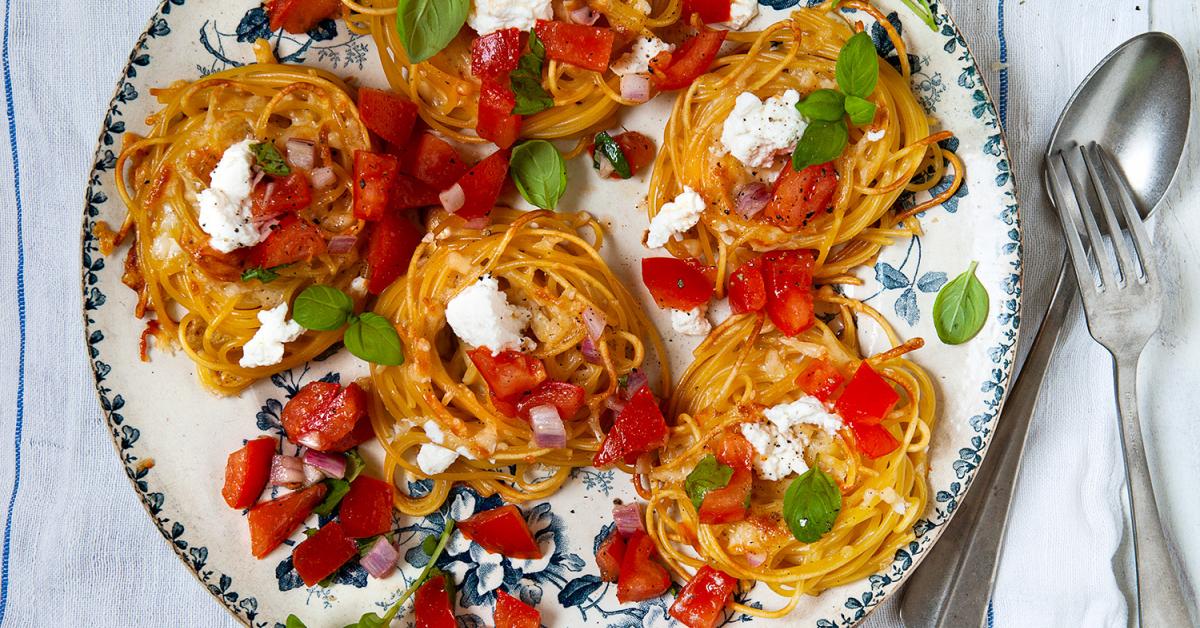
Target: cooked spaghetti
[
  {"x": 746, "y": 366},
  {"x": 896, "y": 152},
  {"x": 544, "y": 266},
  {"x": 448, "y": 94},
  {"x": 196, "y": 292}
]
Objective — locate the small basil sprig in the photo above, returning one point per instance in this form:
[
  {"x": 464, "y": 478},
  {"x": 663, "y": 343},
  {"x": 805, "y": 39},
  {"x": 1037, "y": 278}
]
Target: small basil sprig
[
  {"x": 826, "y": 136},
  {"x": 427, "y": 26},
  {"x": 265, "y": 275},
  {"x": 961, "y": 308},
  {"x": 526, "y": 80},
  {"x": 607, "y": 148},
  {"x": 811, "y": 505},
  {"x": 268, "y": 158},
  {"x": 369, "y": 336},
  {"x": 539, "y": 172},
  {"x": 709, "y": 475},
  {"x": 371, "y": 620}
]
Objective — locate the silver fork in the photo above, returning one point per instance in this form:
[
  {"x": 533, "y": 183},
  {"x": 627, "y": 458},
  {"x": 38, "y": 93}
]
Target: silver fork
[{"x": 1123, "y": 304}]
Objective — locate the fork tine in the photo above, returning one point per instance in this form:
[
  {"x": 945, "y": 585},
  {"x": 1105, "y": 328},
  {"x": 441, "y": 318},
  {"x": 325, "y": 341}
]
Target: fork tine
[
  {"x": 1080, "y": 188},
  {"x": 1100, "y": 181},
  {"x": 1137, "y": 229},
  {"x": 1067, "y": 208}
]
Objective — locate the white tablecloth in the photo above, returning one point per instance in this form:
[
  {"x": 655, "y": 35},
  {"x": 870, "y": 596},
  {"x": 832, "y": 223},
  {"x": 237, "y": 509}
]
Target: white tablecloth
[{"x": 78, "y": 549}]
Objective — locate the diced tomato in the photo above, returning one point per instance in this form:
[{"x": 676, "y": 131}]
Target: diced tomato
[
  {"x": 280, "y": 196},
  {"x": 321, "y": 554},
  {"x": 867, "y": 398},
  {"x": 496, "y": 54},
  {"x": 729, "y": 503},
  {"x": 274, "y": 521},
  {"x": 409, "y": 193},
  {"x": 788, "y": 279},
  {"x": 247, "y": 472},
  {"x": 496, "y": 121},
  {"x": 703, "y": 598},
  {"x": 678, "y": 69},
  {"x": 366, "y": 509},
  {"x": 509, "y": 374},
  {"x": 747, "y": 288},
  {"x": 363, "y": 432},
  {"x": 505, "y": 407},
  {"x": 293, "y": 240},
  {"x": 588, "y": 47},
  {"x": 711, "y": 11},
  {"x": 374, "y": 177},
  {"x": 300, "y": 16},
  {"x": 323, "y": 413},
  {"x": 502, "y": 531},
  {"x": 481, "y": 185},
  {"x": 390, "y": 249},
  {"x": 639, "y": 428},
  {"x": 387, "y": 114},
  {"x": 799, "y": 196},
  {"x": 874, "y": 440},
  {"x": 638, "y": 149},
  {"x": 434, "y": 162},
  {"x": 641, "y": 577},
  {"x": 513, "y": 613},
  {"x": 676, "y": 283},
  {"x": 609, "y": 556},
  {"x": 432, "y": 606},
  {"x": 820, "y": 379},
  {"x": 565, "y": 396},
  {"x": 732, "y": 449}
]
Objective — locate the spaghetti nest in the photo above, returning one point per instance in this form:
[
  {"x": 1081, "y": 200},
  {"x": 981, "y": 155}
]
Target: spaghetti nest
[
  {"x": 880, "y": 162},
  {"x": 543, "y": 264},
  {"x": 745, "y": 366},
  {"x": 196, "y": 292},
  {"x": 447, "y": 94}
]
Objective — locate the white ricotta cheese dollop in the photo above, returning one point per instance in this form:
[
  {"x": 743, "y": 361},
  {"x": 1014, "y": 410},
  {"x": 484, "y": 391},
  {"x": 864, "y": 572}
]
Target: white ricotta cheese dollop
[
  {"x": 265, "y": 348},
  {"x": 489, "y": 16},
  {"x": 675, "y": 217},
  {"x": 741, "y": 12},
  {"x": 637, "y": 60},
  {"x": 778, "y": 443},
  {"x": 693, "y": 322},
  {"x": 804, "y": 410},
  {"x": 225, "y": 206},
  {"x": 756, "y": 131},
  {"x": 481, "y": 316},
  {"x": 435, "y": 459}
]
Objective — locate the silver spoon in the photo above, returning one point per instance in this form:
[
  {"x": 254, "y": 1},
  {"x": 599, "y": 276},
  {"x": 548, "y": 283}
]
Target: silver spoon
[{"x": 1137, "y": 103}]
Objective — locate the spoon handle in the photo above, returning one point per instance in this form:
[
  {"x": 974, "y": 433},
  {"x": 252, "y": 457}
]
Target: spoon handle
[{"x": 953, "y": 585}]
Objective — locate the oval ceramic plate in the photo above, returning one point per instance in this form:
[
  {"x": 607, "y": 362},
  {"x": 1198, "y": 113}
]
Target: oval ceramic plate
[{"x": 172, "y": 436}]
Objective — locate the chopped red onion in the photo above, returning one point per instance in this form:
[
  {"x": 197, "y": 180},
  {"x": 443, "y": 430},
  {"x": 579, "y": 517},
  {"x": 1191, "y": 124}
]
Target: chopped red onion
[
  {"x": 380, "y": 560},
  {"x": 755, "y": 560},
  {"x": 268, "y": 194},
  {"x": 615, "y": 403},
  {"x": 548, "y": 428},
  {"x": 479, "y": 223},
  {"x": 595, "y": 323},
  {"x": 258, "y": 177},
  {"x": 287, "y": 471},
  {"x": 584, "y": 15},
  {"x": 453, "y": 198},
  {"x": 301, "y": 154},
  {"x": 311, "y": 440},
  {"x": 633, "y": 383},
  {"x": 312, "y": 475},
  {"x": 591, "y": 353},
  {"x": 332, "y": 465},
  {"x": 606, "y": 168},
  {"x": 751, "y": 199},
  {"x": 628, "y": 518},
  {"x": 323, "y": 178},
  {"x": 341, "y": 244},
  {"x": 635, "y": 87}
]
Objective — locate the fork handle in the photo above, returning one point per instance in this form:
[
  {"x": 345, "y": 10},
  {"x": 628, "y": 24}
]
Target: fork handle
[{"x": 1163, "y": 598}]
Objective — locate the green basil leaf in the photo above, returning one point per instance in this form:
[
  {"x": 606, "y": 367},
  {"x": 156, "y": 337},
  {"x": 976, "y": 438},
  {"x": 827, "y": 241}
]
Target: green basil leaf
[
  {"x": 337, "y": 490},
  {"x": 961, "y": 308},
  {"x": 822, "y": 142},
  {"x": 861, "y": 111},
  {"x": 294, "y": 622},
  {"x": 539, "y": 172},
  {"x": 372, "y": 338},
  {"x": 708, "y": 475},
  {"x": 323, "y": 308},
  {"x": 811, "y": 505},
  {"x": 268, "y": 158},
  {"x": 824, "y": 104},
  {"x": 265, "y": 275},
  {"x": 427, "y": 26},
  {"x": 354, "y": 464},
  {"x": 526, "y": 80},
  {"x": 858, "y": 66},
  {"x": 607, "y": 148}
]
